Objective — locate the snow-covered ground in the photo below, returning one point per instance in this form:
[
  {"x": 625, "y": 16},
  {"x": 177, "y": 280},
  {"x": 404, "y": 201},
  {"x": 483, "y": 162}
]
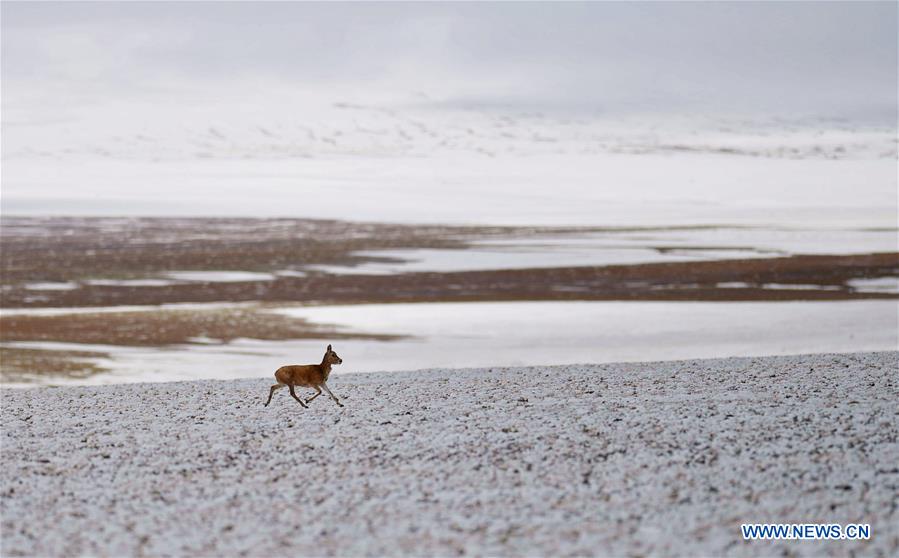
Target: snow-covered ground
[
  {"x": 661, "y": 458},
  {"x": 428, "y": 163}
]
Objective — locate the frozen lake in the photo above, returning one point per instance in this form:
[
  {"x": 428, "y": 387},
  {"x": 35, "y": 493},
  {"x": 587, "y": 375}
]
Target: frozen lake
[
  {"x": 501, "y": 334},
  {"x": 526, "y": 333}
]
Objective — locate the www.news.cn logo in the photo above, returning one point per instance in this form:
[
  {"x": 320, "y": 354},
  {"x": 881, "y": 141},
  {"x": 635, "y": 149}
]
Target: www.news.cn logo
[{"x": 805, "y": 531}]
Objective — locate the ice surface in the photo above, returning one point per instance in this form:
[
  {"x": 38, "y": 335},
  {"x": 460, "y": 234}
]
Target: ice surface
[
  {"x": 876, "y": 285},
  {"x": 527, "y": 333},
  {"x": 517, "y": 333},
  {"x": 130, "y": 282},
  {"x": 219, "y": 276},
  {"x": 51, "y": 286}
]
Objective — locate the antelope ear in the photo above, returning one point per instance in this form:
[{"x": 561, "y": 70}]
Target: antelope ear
[{"x": 329, "y": 348}]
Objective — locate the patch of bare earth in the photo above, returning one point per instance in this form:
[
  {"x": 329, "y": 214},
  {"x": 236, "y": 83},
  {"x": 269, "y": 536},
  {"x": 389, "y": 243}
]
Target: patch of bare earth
[
  {"x": 166, "y": 327},
  {"x": 70, "y": 248},
  {"x": 19, "y": 365}
]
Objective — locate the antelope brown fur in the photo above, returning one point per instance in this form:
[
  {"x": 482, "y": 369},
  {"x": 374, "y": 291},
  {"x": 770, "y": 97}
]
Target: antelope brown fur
[{"x": 307, "y": 375}]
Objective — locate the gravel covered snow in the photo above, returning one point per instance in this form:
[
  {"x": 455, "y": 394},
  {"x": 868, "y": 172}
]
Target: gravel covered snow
[{"x": 621, "y": 459}]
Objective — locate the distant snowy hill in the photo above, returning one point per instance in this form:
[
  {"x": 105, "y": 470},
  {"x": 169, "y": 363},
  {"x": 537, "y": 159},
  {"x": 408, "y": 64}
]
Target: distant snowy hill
[{"x": 431, "y": 162}]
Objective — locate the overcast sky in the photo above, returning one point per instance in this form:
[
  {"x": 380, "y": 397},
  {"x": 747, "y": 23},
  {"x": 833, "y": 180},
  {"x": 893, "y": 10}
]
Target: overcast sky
[{"x": 830, "y": 59}]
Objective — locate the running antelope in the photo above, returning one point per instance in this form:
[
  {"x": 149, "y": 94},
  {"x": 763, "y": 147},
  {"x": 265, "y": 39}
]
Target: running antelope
[{"x": 307, "y": 375}]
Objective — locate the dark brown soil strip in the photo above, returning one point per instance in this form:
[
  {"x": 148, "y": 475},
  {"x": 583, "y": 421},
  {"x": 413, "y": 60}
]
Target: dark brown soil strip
[
  {"x": 166, "y": 327},
  {"x": 23, "y": 365},
  {"x": 658, "y": 281},
  {"x": 69, "y": 248}
]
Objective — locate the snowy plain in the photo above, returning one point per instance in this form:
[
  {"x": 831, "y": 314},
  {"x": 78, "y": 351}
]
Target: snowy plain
[
  {"x": 664, "y": 458},
  {"x": 428, "y": 163}
]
